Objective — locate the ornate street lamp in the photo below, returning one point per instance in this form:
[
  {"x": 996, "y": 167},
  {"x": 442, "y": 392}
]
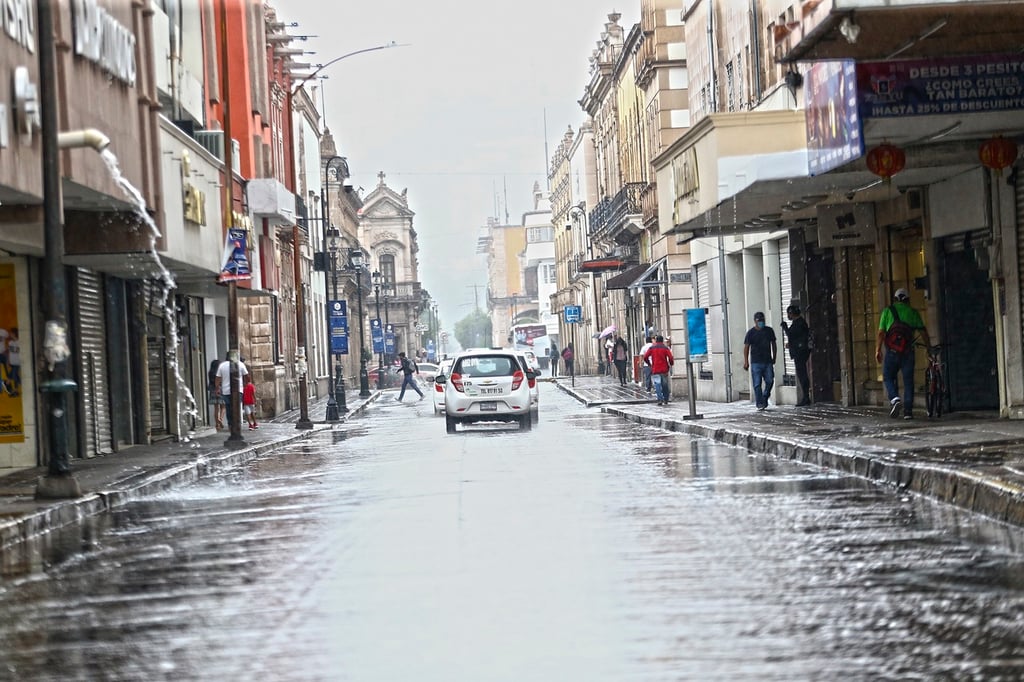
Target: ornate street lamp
[
  {"x": 355, "y": 257},
  {"x": 332, "y": 240}
]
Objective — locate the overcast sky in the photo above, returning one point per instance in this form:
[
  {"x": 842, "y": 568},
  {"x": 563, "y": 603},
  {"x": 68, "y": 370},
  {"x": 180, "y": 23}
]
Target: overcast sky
[{"x": 458, "y": 115}]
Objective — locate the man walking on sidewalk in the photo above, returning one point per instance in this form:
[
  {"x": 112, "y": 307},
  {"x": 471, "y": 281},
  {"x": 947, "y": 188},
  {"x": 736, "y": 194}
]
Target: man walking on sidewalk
[
  {"x": 408, "y": 368},
  {"x": 659, "y": 356},
  {"x": 759, "y": 352},
  {"x": 896, "y": 329}
]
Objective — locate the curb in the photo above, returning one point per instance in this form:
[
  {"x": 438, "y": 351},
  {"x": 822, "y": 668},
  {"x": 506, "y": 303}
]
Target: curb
[
  {"x": 61, "y": 513},
  {"x": 962, "y": 487}
]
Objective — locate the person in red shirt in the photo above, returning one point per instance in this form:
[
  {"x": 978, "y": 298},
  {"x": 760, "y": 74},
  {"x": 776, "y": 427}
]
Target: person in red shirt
[
  {"x": 249, "y": 404},
  {"x": 660, "y": 358}
]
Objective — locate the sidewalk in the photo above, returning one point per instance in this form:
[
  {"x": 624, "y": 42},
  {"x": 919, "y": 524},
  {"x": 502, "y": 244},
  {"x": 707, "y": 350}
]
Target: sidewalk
[
  {"x": 974, "y": 461},
  {"x": 110, "y": 481}
]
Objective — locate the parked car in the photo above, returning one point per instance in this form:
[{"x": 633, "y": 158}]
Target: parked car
[
  {"x": 487, "y": 385},
  {"x": 428, "y": 371},
  {"x": 390, "y": 378},
  {"x": 438, "y": 388}
]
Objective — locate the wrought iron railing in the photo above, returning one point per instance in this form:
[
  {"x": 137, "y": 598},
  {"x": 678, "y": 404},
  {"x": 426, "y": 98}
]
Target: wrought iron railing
[{"x": 610, "y": 214}]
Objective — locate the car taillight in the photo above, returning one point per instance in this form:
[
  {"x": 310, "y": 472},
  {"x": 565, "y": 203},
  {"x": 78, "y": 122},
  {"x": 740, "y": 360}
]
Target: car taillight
[
  {"x": 532, "y": 381},
  {"x": 517, "y": 379},
  {"x": 439, "y": 388},
  {"x": 456, "y": 380}
]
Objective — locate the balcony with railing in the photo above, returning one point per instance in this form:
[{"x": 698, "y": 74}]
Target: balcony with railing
[
  {"x": 649, "y": 204},
  {"x": 618, "y": 218}
]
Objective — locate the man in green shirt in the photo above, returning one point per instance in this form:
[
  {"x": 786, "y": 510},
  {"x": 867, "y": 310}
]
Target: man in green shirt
[{"x": 896, "y": 329}]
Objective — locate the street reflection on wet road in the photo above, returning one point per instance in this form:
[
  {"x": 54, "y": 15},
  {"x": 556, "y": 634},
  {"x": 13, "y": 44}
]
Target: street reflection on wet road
[{"x": 589, "y": 548}]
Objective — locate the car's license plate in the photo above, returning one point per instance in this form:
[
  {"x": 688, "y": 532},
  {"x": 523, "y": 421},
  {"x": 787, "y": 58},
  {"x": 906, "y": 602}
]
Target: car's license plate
[
  {"x": 490, "y": 391},
  {"x": 489, "y": 406}
]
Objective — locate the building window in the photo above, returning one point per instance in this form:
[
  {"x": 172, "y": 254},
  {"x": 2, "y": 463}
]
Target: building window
[
  {"x": 386, "y": 265},
  {"x": 540, "y": 234}
]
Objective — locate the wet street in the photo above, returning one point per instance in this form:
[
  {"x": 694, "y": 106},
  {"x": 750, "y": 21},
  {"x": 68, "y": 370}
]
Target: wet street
[{"x": 590, "y": 548}]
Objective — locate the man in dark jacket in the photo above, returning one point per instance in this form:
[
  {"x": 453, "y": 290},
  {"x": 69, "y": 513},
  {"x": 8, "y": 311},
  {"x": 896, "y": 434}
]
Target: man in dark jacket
[
  {"x": 799, "y": 336},
  {"x": 759, "y": 352}
]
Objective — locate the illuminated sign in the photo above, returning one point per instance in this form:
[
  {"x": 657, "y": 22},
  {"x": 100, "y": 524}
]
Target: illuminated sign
[{"x": 192, "y": 198}]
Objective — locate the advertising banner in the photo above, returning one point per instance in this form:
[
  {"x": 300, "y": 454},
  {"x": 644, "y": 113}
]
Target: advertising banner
[
  {"x": 952, "y": 85},
  {"x": 12, "y": 421},
  {"x": 236, "y": 257},
  {"x": 389, "y": 339},
  {"x": 833, "y": 121},
  {"x": 696, "y": 335}
]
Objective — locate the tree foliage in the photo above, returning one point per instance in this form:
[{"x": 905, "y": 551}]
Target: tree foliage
[{"x": 474, "y": 330}]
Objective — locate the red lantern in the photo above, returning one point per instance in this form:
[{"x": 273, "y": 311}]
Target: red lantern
[
  {"x": 997, "y": 153},
  {"x": 886, "y": 160}
]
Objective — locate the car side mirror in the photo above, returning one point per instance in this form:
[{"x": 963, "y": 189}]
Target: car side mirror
[{"x": 440, "y": 379}]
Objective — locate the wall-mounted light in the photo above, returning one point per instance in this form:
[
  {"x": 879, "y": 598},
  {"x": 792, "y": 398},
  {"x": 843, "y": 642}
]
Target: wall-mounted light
[{"x": 849, "y": 29}]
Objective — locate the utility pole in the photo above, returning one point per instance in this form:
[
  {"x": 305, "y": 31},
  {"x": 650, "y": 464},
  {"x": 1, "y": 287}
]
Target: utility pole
[{"x": 476, "y": 294}]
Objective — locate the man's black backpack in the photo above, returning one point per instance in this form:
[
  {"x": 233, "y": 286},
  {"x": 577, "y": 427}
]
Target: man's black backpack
[{"x": 900, "y": 336}]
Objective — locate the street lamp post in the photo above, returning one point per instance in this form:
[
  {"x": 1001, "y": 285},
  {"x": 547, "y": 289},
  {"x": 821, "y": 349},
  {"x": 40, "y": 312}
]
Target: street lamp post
[
  {"x": 337, "y": 397},
  {"x": 380, "y": 356},
  {"x": 332, "y": 240},
  {"x": 356, "y": 260}
]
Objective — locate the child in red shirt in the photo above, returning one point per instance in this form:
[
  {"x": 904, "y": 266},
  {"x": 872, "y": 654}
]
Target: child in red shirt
[{"x": 249, "y": 404}]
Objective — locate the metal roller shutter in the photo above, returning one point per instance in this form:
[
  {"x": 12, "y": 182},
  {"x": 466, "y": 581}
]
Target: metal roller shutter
[
  {"x": 92, "y": 364},
  {"x": 786, "y": 284}
]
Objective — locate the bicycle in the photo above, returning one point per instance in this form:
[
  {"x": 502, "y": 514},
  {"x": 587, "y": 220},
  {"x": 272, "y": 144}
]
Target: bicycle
[{"x": 935, "y": 389}]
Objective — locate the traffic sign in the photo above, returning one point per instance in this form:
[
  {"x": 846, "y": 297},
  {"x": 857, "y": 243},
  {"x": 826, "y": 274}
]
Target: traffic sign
[
  {"x": 421, "y": 327},
  {"x": 573, "y": 313}
]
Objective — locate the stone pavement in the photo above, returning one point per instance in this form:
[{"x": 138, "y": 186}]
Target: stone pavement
[
  {"x": 971, "y": 460},
  {"x": 109, "y": 481}
]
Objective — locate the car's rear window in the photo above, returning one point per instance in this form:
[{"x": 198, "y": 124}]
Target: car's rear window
[{"x": 486, "y": 366}]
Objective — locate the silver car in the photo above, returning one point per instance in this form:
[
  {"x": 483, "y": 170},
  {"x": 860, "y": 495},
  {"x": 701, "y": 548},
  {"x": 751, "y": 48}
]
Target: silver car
[{"x": 487, "y": 385}]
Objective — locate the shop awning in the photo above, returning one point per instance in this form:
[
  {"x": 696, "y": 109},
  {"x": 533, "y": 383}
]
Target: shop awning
[
  {"x": 636, "y": 276},
  {"x": 603, "y": 265}
]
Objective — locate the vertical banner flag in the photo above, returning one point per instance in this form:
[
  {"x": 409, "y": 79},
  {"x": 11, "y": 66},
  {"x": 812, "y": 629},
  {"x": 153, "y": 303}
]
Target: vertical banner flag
[
  {"x": 377, "y": 335},
  {"x": 339, "y": 327},
  {"x": 389, "y": 339},
  {"x": 236, "y": 257}
]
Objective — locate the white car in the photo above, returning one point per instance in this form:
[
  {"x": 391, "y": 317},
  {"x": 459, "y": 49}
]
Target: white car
[
  {"x": 437, "y": 389},
  {"x": 428, "y": 371},
  {"x": 532, "y": 380},
  {"x": 487, "y": 385}
]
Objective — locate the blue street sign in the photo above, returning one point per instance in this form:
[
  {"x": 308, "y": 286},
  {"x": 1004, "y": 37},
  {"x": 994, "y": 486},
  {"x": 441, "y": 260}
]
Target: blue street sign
[
  {"x": 573, "y": 313},
  {"x": 377, "y": 335},
  {"x": 696, "y": 335},
  {"x": 389, "y": 339},
  {"x": 339, "y": 327}
]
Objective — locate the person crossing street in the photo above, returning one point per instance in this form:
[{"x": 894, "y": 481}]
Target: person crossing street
[{"x": 410, "y": 369}]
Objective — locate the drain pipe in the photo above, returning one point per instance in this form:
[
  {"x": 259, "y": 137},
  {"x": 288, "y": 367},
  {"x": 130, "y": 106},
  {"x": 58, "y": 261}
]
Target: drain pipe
[{"x": 89, "y": 137}]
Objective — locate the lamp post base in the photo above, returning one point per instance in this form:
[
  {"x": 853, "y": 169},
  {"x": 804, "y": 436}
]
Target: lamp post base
[
  {"x": 364, "y": 383},
  {"x": 62, "y": 487},
  {"x": 339, "y": 390},
  {"x": 332, "y": 410}
]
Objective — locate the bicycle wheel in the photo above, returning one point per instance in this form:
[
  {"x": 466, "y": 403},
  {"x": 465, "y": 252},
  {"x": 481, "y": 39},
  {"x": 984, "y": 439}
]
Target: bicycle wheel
[{"x": 931, "y": 395}]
